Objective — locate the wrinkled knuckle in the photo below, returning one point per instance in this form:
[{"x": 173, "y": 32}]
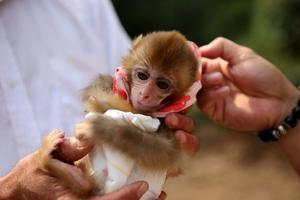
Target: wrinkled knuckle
[
  {"x": 220, "y": 39},
  {"x": 248, "y": 50},
  {"x": 246, "y": 53}
]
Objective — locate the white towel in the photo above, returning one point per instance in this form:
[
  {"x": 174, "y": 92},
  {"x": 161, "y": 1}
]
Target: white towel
[{"x": 113, "y": 169}]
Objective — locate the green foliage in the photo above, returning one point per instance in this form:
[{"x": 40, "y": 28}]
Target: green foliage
[
  {"x": 290, "y": 24},
  {"x": 270, "y": 27},
  {"x": 200, "y": 21},
  {"x": 272, "y": 36}
]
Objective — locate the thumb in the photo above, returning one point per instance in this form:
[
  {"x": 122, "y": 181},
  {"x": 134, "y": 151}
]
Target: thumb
[
  {"x": 132, "y": 191},
  {"x": 223, "y": 48}
]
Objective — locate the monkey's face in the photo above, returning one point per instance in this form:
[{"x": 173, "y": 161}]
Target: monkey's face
[
  {"x": 149, "y": 89},
  {"x": 160, "y": 67}
]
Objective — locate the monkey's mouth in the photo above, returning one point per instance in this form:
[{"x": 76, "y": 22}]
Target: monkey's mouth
[{"x": 144, "y": 107}]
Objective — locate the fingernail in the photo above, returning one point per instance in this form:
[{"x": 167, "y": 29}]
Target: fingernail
[
  {"x": 142, "y": 189},
  {"x": 173, "y": 120}
]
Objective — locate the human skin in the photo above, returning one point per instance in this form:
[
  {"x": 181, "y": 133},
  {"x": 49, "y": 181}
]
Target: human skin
[
  {"x": 27, "y": 181},
  {"x": 245, "y": 92}
]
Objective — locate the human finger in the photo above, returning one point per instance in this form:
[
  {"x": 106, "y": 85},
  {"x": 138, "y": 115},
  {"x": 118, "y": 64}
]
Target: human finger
[
  {"x": 210, "y": 96},
  {"x": 185, "y": 111},
  {"x": 212, "y": 80},
  {"x": 162, "y": 196},
  {"x": 132, "y": 191},
  {"x": 178, "y": 121},
  {"x": 223, "y": 48},
  {"x": 212, "y": 65},
  {"x": 188, "y": 142},
  {"x": 174, "y": 173}
]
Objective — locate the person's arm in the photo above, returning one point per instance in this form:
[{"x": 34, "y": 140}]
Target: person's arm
[
  {"x": 243, "y": 91},
  {"x": 27, "y": 181},
  {"x": 8, "y": 186}
]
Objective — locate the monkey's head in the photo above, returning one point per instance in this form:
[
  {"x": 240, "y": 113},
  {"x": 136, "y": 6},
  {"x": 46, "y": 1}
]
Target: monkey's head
[{"x": 160, "y": 67}]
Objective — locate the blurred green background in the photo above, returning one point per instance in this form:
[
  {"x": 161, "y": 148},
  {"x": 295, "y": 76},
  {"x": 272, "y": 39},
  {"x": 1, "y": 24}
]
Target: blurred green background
[
  {"x": 229, "y": 165},
  {"x": 270, "y": 27}
]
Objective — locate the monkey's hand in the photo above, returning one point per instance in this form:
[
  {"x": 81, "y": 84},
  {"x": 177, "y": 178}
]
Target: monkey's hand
[
  {"x": 50, "y": 143},
  {"x": 104, "y": 101},
  {"x": 85, "y": 130}
]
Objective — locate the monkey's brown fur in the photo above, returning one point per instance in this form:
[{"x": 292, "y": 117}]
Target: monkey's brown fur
[
  {"x": 98, "y": 97},
  {"x": 152, "y": 151},
  {"x": 168, "y": 53}
]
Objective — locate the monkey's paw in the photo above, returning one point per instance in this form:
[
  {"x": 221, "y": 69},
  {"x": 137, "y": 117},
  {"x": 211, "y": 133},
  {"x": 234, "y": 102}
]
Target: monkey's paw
[
  {"x": 84, "y": 131},
  {"x": 50, "y": 143}
]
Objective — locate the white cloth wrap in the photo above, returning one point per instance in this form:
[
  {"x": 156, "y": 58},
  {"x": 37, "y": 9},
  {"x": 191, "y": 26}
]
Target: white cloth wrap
[{"x": 113, "y": 169}]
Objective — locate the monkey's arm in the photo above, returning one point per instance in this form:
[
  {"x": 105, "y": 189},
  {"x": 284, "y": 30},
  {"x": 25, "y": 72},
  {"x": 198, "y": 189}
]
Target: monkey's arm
[
  {"x": 69, "y": 176},
  {"x": 154, "y": 151},
  {"x": 98, "y": 96}
]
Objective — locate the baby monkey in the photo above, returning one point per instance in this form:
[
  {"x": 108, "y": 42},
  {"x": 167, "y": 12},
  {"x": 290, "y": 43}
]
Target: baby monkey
[{"x": 160, "y": 75}]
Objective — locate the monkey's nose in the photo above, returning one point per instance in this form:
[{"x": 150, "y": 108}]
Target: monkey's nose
[{"x": 145, "y": 97}]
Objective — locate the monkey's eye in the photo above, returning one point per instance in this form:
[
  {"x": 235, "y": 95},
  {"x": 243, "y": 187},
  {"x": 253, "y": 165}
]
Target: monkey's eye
[
  {"x": 162, "y": 84},
  {"x": 143, "y": 76}
]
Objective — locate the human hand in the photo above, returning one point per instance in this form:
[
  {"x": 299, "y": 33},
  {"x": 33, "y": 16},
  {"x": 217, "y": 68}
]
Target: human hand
[
  {"x": 28, "y": 181},
  {"x": 241, "y": 89},
  {"x": 183, "y": 127},
  {"x": 132, "y": 191}
]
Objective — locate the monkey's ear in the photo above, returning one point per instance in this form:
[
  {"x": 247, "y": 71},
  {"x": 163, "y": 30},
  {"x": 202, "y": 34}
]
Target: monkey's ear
[{"x": 137, "y": 41}]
